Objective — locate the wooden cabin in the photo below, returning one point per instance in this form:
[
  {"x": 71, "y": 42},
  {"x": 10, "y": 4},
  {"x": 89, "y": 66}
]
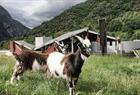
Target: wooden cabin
[{"x": 68, "y": 39}]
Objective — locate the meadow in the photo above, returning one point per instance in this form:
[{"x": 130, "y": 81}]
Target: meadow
[{"x": 101, "y": 75}]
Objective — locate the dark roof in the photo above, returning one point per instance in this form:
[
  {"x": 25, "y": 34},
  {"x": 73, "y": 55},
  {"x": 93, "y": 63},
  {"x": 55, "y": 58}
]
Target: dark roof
[
  {"x": 64, "y": 36},
  {"x": 70, "y": 34}
]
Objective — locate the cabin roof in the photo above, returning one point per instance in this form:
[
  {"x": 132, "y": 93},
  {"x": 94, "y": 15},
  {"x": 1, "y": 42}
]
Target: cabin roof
[
  {"x": 96, "y": 33},
  {"x": 25, "y": 44},
  {"x": 70, "y": 34}
]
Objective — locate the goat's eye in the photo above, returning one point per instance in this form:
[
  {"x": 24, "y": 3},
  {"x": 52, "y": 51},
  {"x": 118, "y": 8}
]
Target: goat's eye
[
  {"x": 90, "y": 46},
  {"x": 84, "y": 45}
]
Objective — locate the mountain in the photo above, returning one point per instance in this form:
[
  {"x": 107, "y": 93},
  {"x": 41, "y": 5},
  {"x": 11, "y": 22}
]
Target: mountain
[
  {"x": 9, "y": 27},
  {"x": 123, "y": 19}
]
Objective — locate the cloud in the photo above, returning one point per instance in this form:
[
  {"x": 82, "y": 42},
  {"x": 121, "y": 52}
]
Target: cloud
[{"x": 33, "y": 12}]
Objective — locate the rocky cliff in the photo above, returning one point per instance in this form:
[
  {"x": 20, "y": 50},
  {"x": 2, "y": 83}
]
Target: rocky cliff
[{"x": 9, "y": 27}]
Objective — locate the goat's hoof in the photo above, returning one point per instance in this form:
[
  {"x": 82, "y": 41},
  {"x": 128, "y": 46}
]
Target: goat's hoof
[
  {"x": 78, "y": 93},
  {"x": 10, "y": 83},
  {"x": 7, "y": 82},
  {"x": 49, "y": 77}
]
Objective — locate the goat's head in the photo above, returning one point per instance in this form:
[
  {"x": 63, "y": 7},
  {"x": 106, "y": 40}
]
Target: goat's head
[
  {"x": 18, "y": 58},
  {"x": 84, "y": 45},
  {"x": 61, "y": 47}
]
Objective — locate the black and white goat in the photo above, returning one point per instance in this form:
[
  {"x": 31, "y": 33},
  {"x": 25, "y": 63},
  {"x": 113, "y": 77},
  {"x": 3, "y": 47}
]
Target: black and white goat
[
  {"x": 69, "y": 66},
  {"x": 61, "y": 47}
]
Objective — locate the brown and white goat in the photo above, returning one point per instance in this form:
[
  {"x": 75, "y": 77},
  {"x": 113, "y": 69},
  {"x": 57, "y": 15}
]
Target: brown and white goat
[
  {"x": 69, "y": 66},
  {"x": 28, "y": 60}
]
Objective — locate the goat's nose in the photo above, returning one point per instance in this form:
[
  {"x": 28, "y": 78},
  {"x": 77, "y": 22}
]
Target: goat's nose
[{"x": 89, "y": 51}]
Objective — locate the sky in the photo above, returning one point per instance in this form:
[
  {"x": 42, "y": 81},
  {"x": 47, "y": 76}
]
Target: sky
[{"x": 32, "y": 13}]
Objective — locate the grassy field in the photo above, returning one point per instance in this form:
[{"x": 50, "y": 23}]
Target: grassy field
[{"x": 108, "y": 75}]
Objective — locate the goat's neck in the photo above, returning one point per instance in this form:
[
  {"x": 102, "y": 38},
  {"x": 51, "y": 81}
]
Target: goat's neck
[
  {"x": 77, "y": 64},
  {"x": 80, "y": 55},
  {"x": 79, "y": 58}
]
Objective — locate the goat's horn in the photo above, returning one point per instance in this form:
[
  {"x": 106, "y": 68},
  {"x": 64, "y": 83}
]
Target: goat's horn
[{"x": 80, "y": 39}]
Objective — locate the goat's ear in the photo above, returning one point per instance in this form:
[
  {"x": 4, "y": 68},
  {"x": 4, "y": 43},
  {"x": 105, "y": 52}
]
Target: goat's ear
[
  {"x": 56, "y": 42},
  {"x": 16, "y": 56}
]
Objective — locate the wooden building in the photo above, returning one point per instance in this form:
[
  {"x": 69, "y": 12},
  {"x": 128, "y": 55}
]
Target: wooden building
[
  {"x": 47, "y": 44},
  {"x": 68, "y": 39}
]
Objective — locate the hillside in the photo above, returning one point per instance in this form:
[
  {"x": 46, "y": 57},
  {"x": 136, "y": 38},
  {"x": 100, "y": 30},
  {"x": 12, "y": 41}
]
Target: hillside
[
  {"x": 123, "y": 19},
  {"x": 10, "y": 28}
]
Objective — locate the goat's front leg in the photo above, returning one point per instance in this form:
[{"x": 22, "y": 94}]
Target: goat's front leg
[
  {"x": 74, "y": 84},
  {"x": 71, "y": 90},
  {"x": 18, "y": 70}
]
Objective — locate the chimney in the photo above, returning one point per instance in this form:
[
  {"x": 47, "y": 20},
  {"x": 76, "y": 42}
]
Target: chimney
[
  {"x": 40, "y": 41},
  {"x": 12, "y": 46}
]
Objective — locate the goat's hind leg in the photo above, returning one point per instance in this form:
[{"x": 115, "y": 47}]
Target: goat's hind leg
[
  {"x": 18, "y": 70},
  {"x": 48, "y": 73}
]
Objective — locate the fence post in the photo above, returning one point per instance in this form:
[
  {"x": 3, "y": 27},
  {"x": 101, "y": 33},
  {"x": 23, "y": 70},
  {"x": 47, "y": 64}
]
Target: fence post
[{"x": 103, "y": 38}]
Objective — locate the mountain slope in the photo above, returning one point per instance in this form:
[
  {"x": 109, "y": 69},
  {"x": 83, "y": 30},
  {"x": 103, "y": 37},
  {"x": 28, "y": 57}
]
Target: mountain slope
[
  {"x": 9, "y": 27},
  {"x": 122, "y": 15}
]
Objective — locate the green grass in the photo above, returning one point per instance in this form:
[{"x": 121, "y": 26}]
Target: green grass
[{"x": 108, "y": 75}]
